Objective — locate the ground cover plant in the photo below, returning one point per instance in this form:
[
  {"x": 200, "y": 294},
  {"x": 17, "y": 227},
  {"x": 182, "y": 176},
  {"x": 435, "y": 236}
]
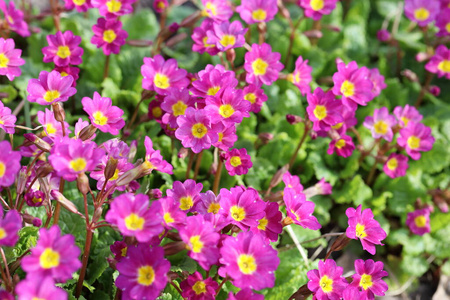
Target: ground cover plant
[{"x": 213, "y": 149}]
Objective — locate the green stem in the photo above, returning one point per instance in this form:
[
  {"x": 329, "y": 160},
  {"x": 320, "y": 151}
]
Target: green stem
[
  {"x": 302, "y": 140},
  {"x": 217, "y": 177},
  {"x": 197, "y": 165},
  {"x": 190, "y": 162}
]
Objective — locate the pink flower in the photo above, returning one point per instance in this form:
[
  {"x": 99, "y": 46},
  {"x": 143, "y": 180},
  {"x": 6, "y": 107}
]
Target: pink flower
[
  {"x": 368, "y": 278},
  {"x": 396, "y": 165},
  {"x": 212, "y": 80},
  {"x": 245, "y": 294},
  {"x": 227, "y": 138},
  {"x": 7, "y": 120},
  {"x": 440, "y": 62},
  {"x": 9, "y": 228},
  {"x": 68, "y": 70},
  {"x": 35, "y": 198},
  {"x": 320, "y": 188},
  {"x": 418, "y": 221},
  {"x": 227, "y": 35},
  {"x": 443, "y": 22},
  {"x": 103, "y": 114},
  {"x": 160, "y": 5},
  {"x": 299, "y": 210},
  {"x": 200, "y": 38},
  {"x": 315, "y": 9},
  {"x": 54, "y": 255},
  {"x": 256, "y": 96},
  {"x": 362, "y": 226},
  {"x": 50, "y": 88},
  {"x": 154, "y": 109},
  {"x": 270, "y": 225},
  {"x": 52, "y": 128},
  {"x": 195, "y": 288},
  {"x": 343, "y": 146},
  {"x": 9, "y": 164},
  {"x": 237, "y": 162},
  {"x": 154, "y": 159},
  {"x": 119, "y": 249},
  {"x": 111, "y": 9},
  {"x": 161, "y": 76},
  {"x": 10, "y": 60},
  {"x": 175, "y": 105},
  {"x": 323, "y": 109},
  {"x": 381, "y": 124},
  {"x": 143, "y": 273},
  {"x": 218, "y": 10},
  {"x": 416, "y": 138},
  {"x": 173, "y": 216},
  {"x": 79, "y": 126},
  {"x": 39, "y": 287},
  {"x": 79, "y": 5},
  {"x": 327, "y": 282},
  {"x": 256, "y": 11},
  {"x": 4, "y": 295},
  {"x": 249, "y": 261},
  {"x": 208, "y": 203},
  {"x": 377, "y": 80},
  {"x": 262, "y": 65},
  {"x": 14, "y": 18},
  {"x": 421, "y": 11},
  {"x": 63, "y": 49},
  {"x": 228, "y": 106},
  {"x": 109, "y": 35},
  {"x": 301, "y": 77},
  {"x": 186, "y": 194},
  {"x": 99, "y": 173},
  {"x": 383, "y": 35},
  {"x": 292, "y": 182},
  {"x": 406, "y": 114}
]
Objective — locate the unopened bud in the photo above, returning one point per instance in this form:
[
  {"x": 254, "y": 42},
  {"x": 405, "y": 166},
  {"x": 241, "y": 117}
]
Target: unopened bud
[
  {"x": 59, "y": 112},
  {"x": 340, "y": 243},
  {"x": 129, "y": 176},
  {"x": 57, "y": 196},
  {"x": 44, "y": 170},
  {"x": 174, "y": 27},
  {"x": 174, "y": 248},
  {"x": 316, "y": 34},
  {"x": 410, "y": 75},
  {"x": 265, "y": 137},
  {"x": 435, "y": 90},
  {"x": 423, "y": 56},
  {"x": 231, "y": 55},
  {"x": 87, "y": 132},
  {"x": 40, "y": 143},
  {"x": 133, "y": 151},
  {"x": 22, "y": 180},
  {"x": 83, "y": 183},
  {"x": 32, "y": 220},
  {"x": 97, "y": 214},
  {"x": 154, "y": 194},
  {"x": 293, "y": 119},
  {"x": 183, "y": 153},
  {"x": 287, "y": 221},
  {"x": 190, "y": 20},
  {"x": 110, "y": 169},
  {"x": 383, "y": 35},
  {"x": 278, "y": 177}
]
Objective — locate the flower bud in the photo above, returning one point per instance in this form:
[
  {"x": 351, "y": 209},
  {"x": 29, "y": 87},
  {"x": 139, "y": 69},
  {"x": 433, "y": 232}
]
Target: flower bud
[
  {"x": 293, "y": 119},
  {"x": 410, "y": 75},
  {"x": 423, "y": 56},
  {"x": 133, "y": 150},
  {"x": 265, "y": 137},
  {"x": 435, "y": 90},
  {"x": 174, "y": 248},
  {"x": 40, "y": 143},
  {"x": 59, "y": 112},
  {"x": 83, "y": 183},
  {"x": 278, "y": 177},
  {"x": 44, "y": 170},
  {"x": 340, "y": 243},
  {"x": 129, "y": 176},
  {"x": 110, "y": 169},
  {"x": 383, "y": 35},
  {"x": 87, "y": 132},
  {"x": 183, "y": 153},
  {"x": 32, "y": 220},
  {"x": 57, "y": 196},
  {"x": 316, "y": 34},
  {"x": 174, "y": 27},
  {"x": 22, "y": 180},
  {"x": 154, "y": 194}
]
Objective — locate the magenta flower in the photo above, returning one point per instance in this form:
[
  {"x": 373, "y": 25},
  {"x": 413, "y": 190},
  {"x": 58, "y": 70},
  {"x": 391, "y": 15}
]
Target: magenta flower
[
  {"x": 54, "y": 255},
  {"x": 109, "y": 35},
  {"x": 256, "y": 96},
  {"x": 70, "y": 157},
  {"x": 396, "y": 165},
  {"x": 443, "y": 22},
  {"x": 99, "y": 173},
  {"x": 161, "y": 76},
  {"x": 226, "y": 35},
  {"x": 7, "y": 120},
  {"x": 383, "y": 35},
  {"x": 186, "y": 194},
  {"x": 111, "y": 9},
  {"x": 320, "y": 188},
  {"x": 10, "y": 60},
  {"x": 237, "y": 161},
  {"x": 175, "y": 104},
  {"x": 418, "y": 221},
  {"x": 50, "y": 88},
  {"x": 173, "y": 216},
  {"x": 262, "y": 65},
  {"x": 218, "y": 10},
  {"x": 4, "y": 295},
  {"x": 208, "y": 203},
  {"x": 378, "y": 81},
  {"x": 9, "y": 164},
  {"x": 39, "y": 287},
  {"x": 160, "y": 5},
  {"x": 249, "y": 261},
  {"x": 227, "y": 138},
  {"x": 270, "y": 226},
  {"x": 14, "y": 18},
  {"x": 52, "y": 128},
  {"x": 143, "y": 273},
  {"x": 323, "y": 109},
  {"x": 245, "y": 294},
  {"x": 343, "y": 146},
  {"x": 362, "y": 226},
  {"x": 63, "y": 49},
  {"x": 68, "y": 70},
  {"x": 196, "y": 131},
  {"x": 257, "y": 11},
  {"x": 154, "y": 109},
  {"x": 195, "y": 288},
  {"x": 228, "y": 106},
  {"x": 34, "y": 198},
  {"x": 201, "y": 241},
  {"x": 414, "y": 138},
  {"x": 103, "y": 114},
  {"x": 119, "y": 249},
  {"x": 154, "y": 159},
  {"x": 315, "y": 9},
  {"x": 79, "y": 5},
  {"x": 299, "y": 211},
  {"x": 213, "y": 79},
  {"x": 327, "y": 282},
  {"x": 9, "y": 228},
  {"x": 422, "y": 12},
  {"x": 368, "y": 278},
  {"x": 135, "y": 217},
  {"x": 381, "y": 124},
  {"x": 406, "y": 114},
  {"x": 200, "y": 38},
  {"x": 292, "y": 182},
  {"x": 353, "y": 84},
  {"x": 301, "y": 77},
  {"x": 440, "y": 62}
]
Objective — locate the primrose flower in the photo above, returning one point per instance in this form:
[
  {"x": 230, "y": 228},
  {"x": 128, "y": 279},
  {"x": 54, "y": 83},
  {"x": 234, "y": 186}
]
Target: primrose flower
[
  {"x": 299, "y": 211},
  {"x": 200, "y": 38},
  {"x": 378, "y": 81},
  {"x": 111, "y": 9},
  {"x": 443, "y": 22},
  {"x": 343, "y": 146},
  {"x": 245, "y": 294},
  {"x": 52, "y": 128},
  {"x": 292, "y": 182},
  {"x": 50, "y": 88},
  {"x": 201, "y": 241},
  {"x": 262, "y": 65},
  {"x": 173, "y": 216},
  {"x": 195, "y": 288},
  {"x": 418, "y": 221},
  {"x": 10, "y": 225},
  {"x": 9, "y": 164},
  {"x": 243, "y": 208},
  {"x": 383, "y": 35},
  {"x": 270, "y": 226},
  {"x": 362, "y": 225},
  {"x": 301, "y": 77},
  {"x": 218, "y": 10},
  {"x": 227, "y": 35},
  {"x": 154, "y": 109},
  {"x": 212, "y": 80},
  {"x": 68, "y": 70},
  {"x": 34, "y": 198},
  {"x": 109, "y": 35},
  {"x": 414, "y": 138},
  {"x": 10, "y": 60},
  {"x": 54, "y": 255},
  {"x": 143, "y": 272},
  {"x": 237, "y": 162},
  {"x": 175, "y": 104},
  {"x": 79, "y": 5},
  {"x": 323, "y": 109},
  {"x": 103, "y": 114},
  {"x": 99, "y": 173},
  {"x": 381, "y": 124},
  {"x": 154, "y": 159},
  {"x": 208, "y": 203},
  {"x": 396, "y": 165},
  {"x": 63, "y": 49},
  {"x": 227, "y": 138},
  {"x": 4, "y": 295},
  {"x": 119, "y": 249},
  {"x": 315, "y": 9},
  {"x": 38, "y": 287},
  {"x": 406, "y": 114},
  {"x": 327, "y": 282},
  {"x": 320, "y": 188},
  {"x": 14, "y": 18},
  {"x": 135, "y": 217},
  {"x": 186, "y": 194},
  {"x": 161, "y": 76},
  {"x": 7, "y": 120},
  {"x": 228, "y": 106},
  {"x": 368, "y": 278},
  {"x": 257, "y": 11},
  {"x": 70, "y": 157},
  {"x": 249, "y": 261},
  {"x": 440, "y": 62},
  {"x": 160, "y": 5},
  {"x": 422, "y": 12},
  {"x": 256, "y": 96}
]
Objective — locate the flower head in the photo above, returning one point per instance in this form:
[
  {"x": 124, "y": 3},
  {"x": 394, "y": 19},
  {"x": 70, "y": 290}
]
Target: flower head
[
  {"x": 218, "y": 10},
  {"x": 226, "y": 35},
  {"x": 63, "y": 49},
  {"x": 9, "y": 228},
  {"x": 228, "y": 106},
  {"x": 440, "y": 62},
  {"x": 237, "y": 162},
  {"x": 245, "y": 294},
  {"x": 292, "y": 182},
  {"x": 195, "y": 288},
  {"x": 154, "y": 109},
  {"x": 79, "y": 5},
  {"x": 212, "y": 80},
  {"x": 227, "y": 138},
  {"x": 262, "y": 65},
  {"x": 50, "y": 88},
  {"x": 301, "y": 77},
  {"x": 443, "y": 22},
  {"x": 119, "y": 249},
  {"x": 257, "y": 11},
  {"x": 396, "y": 165},
  {"x": 368, "y": 278},
  {"x": 160, "y": 5},
  {"x": 256, "y": 96},
  {"x": 109, "y": 35},
  {"x": 7, "y": 120},
  {"x": 186, "y": 194},
  {"x": 111, "y": 9},
  {"x": 323, "y": 109},
  {"x": 175, "y": 105},
  {"x": 10, "y": 60},
  {"x": 381, "y": 124},
  {"x": 35, "y": 286},
  {"x": 200, "y": 38},
  {"x": 420, "y": 11},
  {"x": 406, "y": 114},
  {"x": 35, "y": 198},
  {"x": 343, "y": 146},
  {"x": 299, "y": 211},
  {"x": 68, "y": 70},
  {"x": 99, "y": 174},
  {"x": 208, "y": 203},
  {"x": 9, "y": 164},
  {"x": 270, "y": 225},
  {"x": 315, "y": 9},
  {"x": 173, "y": 216},
  {"x": 154, "y": 159},
  {"x": 377, "y": 80},
  {"x": 416, "y": 138},
  {"x": 52, "y": 128},
  {"x": 327, "y": 282},
  {"x": 14, "y": 18},
  {"x": 418, "y": 221}
]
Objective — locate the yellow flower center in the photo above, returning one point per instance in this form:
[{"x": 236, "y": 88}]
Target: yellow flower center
[
  {"x": 196, "y": 245},
  {"x": 199, "y": 130},
  {"x": 213, "y": 90},
  {"x": 50, "y": 128},
  {"x": 36, "y": 200},
  {"x": 347, "y": 88},
  {"x": 259, "y": 15},
  {"x": 148, "y": 165},
  {"x": 447, "y": 27},
  {"x": 100, "y": 118},
  {"x": 161, "y": 5},
  {"x": 210, "y": 9},
  {"x": 49, "y": 259},
  {"x": 78, "y": 164},
  {"x": 337, "y": 126},
  {"x": 381, "y": 127},
  {"x": 420, "y": 221},
  {"x": 226, "y": 110},
  {"x": 199, "y": 287},
  {"x": 262, "y": 224},
  {"x": 366, "y": 281},
  {"x": 317, "y": 4},
  {"x": 220, "y": 136},
  {"x": 340, "y": 143},
  {"x": 179, "y": 108},
  {"x": 259, "y": 67},
  {"x": 134, "y": 222},
  {"x": 290, "y": 78},
  {"x": 3, "y": 61},
  {"x": 156, "y": 111},
  {"x": 405, "y": 121},
  {"x": 124, "y": 251},
  {"x": 320, "y": 112},
  {"x": 2, "y": 233},
  {"x": 235, "y": 161},
  {"x": 250, "y": 97},
  {"x": 205, "y": 39},
  {"x": 413, "y": 142},
  {"x": 392, "y": 164},
  {"x": 79, "y": 2},
  {"x": 237, "y": 213},
  {"x": 113, "y": 6},
  {"x": 161, "y": 81},
  {"x": 2, "y": 169},
  {"x": 115, "y": 176},
  {"x": 228, "y": 40},
  {"x": 168, "y": 218},
  {"x": 326, "y": 284},
  {"x": 214, "y": 208},
  {"x": 444, "y": 66},
  {"x": 49, "y": 96},
  {"x": 247, "y": 264},
  {"x": 360, "y": 231},
  {"x": 109, "y": 36},
  {"x": 186, "y": 203},
  {"x": 421, "y": 14},
  {"x": 146, "y": 275},
  {"x": 63, "y": 52}
]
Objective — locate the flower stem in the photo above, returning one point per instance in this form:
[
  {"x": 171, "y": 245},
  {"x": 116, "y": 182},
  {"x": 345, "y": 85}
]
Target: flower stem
[
  {"x": 302, "y": 140},
  {"x": 197, "y": 165},
  {"x": 6, "y": 276},
  {"x": 217, "y": 177},
  {"x": 322, "y": 236},
  {"x": 87, "y": 249},
  {"x": 424, "y": 89},
  {"x": 190, "y": 162},
  {"x": 58, "y": 205}
]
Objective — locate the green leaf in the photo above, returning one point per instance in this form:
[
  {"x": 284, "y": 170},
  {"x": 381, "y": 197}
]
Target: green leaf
[
  {"x": 355, "y": 191},
  {"x": 414, "y": 265}
]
